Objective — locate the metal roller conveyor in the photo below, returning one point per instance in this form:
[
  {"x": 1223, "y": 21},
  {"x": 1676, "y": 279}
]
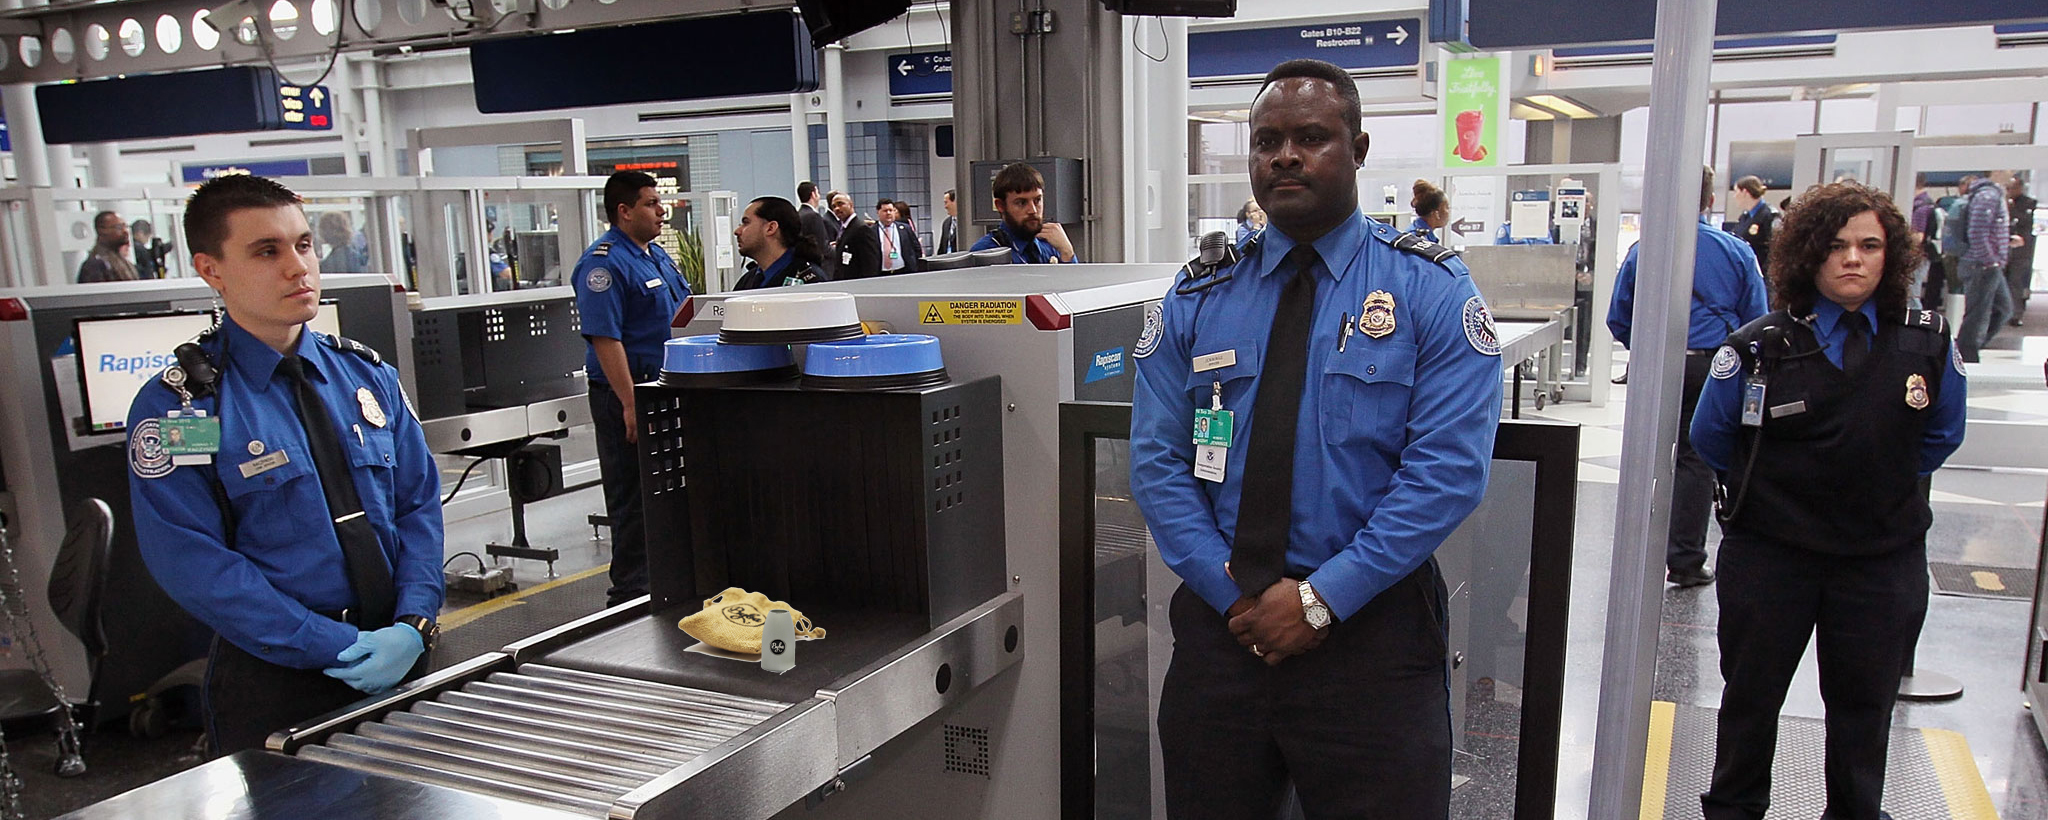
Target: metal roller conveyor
[
  {"x": 574, "y": 765},
  {"x": 659, "y": 691},
  {"x": 619, "y": 737},
  {"x": 630, "y": 735},
  {"x": 656, "y": 760}
]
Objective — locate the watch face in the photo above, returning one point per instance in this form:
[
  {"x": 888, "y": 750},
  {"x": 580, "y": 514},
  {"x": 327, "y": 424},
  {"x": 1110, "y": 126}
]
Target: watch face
[{"x": 1318, "y": 616}]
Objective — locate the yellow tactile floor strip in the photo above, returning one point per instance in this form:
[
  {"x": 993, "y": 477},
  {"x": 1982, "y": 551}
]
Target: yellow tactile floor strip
[
  {"x": 1961, "y": 783},
  {"x": 455, "y": 620},
  {"x": 1657, "y": 759}
]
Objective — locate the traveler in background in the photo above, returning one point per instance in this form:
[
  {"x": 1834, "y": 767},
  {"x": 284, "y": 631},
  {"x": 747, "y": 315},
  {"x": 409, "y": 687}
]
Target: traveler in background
[
  {"x": 1018, "y": 193},
  {"x": 859, "y": 247},
  {"x": 949, "y": 231},
  {"x": 2019, "y": 264},
  {"x": 810, "y": 214},
  {"x": 108, "y": 261},
  {"x": 1987, "y": 232},
  {"x": 1251, "y": 219},
  {"x": 343, "y": 256},
  {"x": 900, "y": 248}
]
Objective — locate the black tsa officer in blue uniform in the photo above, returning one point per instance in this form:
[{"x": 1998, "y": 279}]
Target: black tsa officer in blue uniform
[
  {"x": 627, "y": 292},
  {"x": 1822, "y": 419},
  {"x": 283, "y": 491},
  {"x": 1309, "y": 423}
]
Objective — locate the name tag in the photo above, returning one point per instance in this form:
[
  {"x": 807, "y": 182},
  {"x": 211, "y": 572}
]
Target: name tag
[
  {"x": 1792, "y": 409},
  {"x": 654, "y": 283},
  {"x": 1214, "y": 361},
  {"x": 258, "y": 466},
  {"x": 846, "y": 257}
]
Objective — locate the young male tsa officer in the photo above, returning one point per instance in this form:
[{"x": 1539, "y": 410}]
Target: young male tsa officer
[
  {"x": 1309, "y": 424},
  {"x": 283, "y": 491},
  {"x": 627, "y": 291}
]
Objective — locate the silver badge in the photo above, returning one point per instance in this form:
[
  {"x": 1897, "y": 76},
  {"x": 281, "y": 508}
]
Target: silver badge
[
  {"x": 1726, "y": 360},
  {"x": 372, "y": 412},
  {"x": 255, "y": 447}
]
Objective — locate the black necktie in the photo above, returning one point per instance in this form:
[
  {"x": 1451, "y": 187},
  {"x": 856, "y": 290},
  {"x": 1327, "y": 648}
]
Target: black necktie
[
  {"x": 1258, "y": 555},
  {"x": 1857, "y": 348},
  {"x": 369, "y": 574}
]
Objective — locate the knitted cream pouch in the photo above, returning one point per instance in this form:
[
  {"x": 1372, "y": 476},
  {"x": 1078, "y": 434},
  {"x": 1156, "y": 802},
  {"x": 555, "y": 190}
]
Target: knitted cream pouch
[{"x": 732, "y": 621}]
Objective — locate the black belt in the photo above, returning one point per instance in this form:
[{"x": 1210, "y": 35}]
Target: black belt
[{"x": 347, "y": 616}]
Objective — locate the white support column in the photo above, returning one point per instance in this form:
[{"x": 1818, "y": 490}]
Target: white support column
[
  {"x": 835, "y": 119},
  {"x": 103, "y": 163},
  {"x": 799, "y": 142},
  {"x": 31, "y": 160},
  {"x": 376, "y": 138},
  {"x": 1635, "y": 592}
]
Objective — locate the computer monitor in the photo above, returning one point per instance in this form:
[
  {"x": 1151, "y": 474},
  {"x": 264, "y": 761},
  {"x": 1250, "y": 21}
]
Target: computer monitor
[{"x": 117, "y": 355}]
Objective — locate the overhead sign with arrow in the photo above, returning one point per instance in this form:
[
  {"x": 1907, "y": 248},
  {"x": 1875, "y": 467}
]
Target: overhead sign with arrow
[
  {"x": 921, "y": 74},
  {"x": 307, "y": 108},
  {"x": 1354, "y": 45}
]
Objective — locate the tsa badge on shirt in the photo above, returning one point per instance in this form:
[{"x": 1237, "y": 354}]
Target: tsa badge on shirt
[
  {"x": 1155, "y": 325},
  {"x": 1479, "y": 328},
  {"x": 1916, "y": 392},
  {"x": 599, "y": 280},
  {"x": 147, "y": 455},
  {"x": 1726, "y": 361},
  {"x": 1376, "y": 317}
]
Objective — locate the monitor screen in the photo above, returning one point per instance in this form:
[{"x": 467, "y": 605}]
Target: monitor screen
[{"x": 117, "y": 355}]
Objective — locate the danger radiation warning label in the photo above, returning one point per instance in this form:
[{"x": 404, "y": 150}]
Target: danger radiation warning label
[{"x": 978, "y": 312}]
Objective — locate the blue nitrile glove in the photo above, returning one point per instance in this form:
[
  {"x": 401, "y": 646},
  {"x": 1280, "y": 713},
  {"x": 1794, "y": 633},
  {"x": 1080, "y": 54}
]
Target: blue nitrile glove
[{"x": 378, "y": 660}]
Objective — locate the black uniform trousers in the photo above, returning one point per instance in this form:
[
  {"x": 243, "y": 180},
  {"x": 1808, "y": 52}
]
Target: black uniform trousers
[
  {"x": 618, "y": 464},
  {"x": 1692, "y": 481},
  {"x": 1359, "y": 725},
  {"x": 246, "y": 698},
  {"x": 1864, "y": 612}
]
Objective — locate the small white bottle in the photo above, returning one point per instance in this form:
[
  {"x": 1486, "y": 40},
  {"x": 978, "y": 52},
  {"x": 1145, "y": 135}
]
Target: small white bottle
[{"x": 778, "y": 642}]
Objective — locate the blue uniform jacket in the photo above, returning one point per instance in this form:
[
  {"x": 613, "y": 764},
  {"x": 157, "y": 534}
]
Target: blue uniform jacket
[
  {"x": 263, "y": 591},
  {"x": 628, "y": 294},
  {"x": 1395, "y": 435},
  {"x": 1717, "y": 423},
  {"x": 1727, "y": 290},
  {"x": 1037, "y": 251},
  {"x": 1421, "y": 228}
]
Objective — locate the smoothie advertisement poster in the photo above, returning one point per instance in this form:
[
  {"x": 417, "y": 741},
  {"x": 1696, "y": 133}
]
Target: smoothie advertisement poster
[{"x": 1471, "y": 112}]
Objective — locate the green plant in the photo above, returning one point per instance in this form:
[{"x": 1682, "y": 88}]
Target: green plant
[{"x": 690, "y": 259}]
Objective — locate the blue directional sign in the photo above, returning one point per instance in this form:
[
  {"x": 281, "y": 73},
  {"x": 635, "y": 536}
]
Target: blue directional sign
[
  {"x": 309, "y": 108},
  {"x": 198, "y": 173},
  {"x": 1352, "y": 45},
  {"x": 920, "y": 73}
]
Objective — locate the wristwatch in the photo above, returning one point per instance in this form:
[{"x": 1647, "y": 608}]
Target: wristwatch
[
  {"x": 1312, "y": 608},
  {"x": 430, "y": 632}
]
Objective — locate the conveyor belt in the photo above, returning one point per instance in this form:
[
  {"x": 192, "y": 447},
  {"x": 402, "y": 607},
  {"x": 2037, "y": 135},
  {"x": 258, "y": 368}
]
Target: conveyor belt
[{"x": 556, "y": 737}]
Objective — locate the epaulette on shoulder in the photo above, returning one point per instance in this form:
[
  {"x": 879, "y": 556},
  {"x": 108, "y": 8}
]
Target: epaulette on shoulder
[
  {"x": 601, "y": 249},
  {"x": 1926, "y": 319},
  {"x": 1408, "y": 242},
  {"x": 346, "y": 345}
]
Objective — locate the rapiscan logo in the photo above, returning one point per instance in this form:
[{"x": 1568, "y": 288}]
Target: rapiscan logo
[
  {"x": 1105, "y": 364},
  {"x": 149, "y": 362}
]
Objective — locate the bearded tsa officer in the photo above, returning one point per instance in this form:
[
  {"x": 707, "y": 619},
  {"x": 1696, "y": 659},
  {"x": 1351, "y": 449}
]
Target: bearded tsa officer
[
  {"x": 1822, "y": 418},
  {"x": 627, "y": 293},
  {"x": 283, "y": 493},
  {"x": 1310, "y": 422}
]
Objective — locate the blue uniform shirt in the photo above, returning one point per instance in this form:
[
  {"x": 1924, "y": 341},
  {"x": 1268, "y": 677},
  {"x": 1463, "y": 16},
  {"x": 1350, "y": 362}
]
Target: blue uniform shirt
[
  {"x": 1717, "y": 423},
  {"x": 628, "y": 294},
  {"x": 1420, "y": 227},
  {"x": 1727, "y": 290},
  {"x": 1036, "y": 251},
  {"x": 1395, "y": 436},
  {"x": 263, "y": 591}
]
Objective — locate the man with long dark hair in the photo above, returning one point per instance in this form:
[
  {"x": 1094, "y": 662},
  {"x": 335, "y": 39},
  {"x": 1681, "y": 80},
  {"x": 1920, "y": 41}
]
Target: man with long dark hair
[
  {"x": 778, "y": 251},
  {"x": 1821, "y": 419}
]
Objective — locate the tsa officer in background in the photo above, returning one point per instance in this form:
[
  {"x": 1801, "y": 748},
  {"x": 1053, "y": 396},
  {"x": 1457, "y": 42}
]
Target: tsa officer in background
[
  {"x": 627, "y": 291},
  {"x": 1758, "y": 219},
  {"x": 1019, "y": 193},
  {"x": 778, "y": 251},
  {"x": 283, "y": 493},
  {"x": 1727, "y": 292},
  {"x": 1822, "y": 418},
  {"x": 1310, "y": 422},
  {"x": 1432, "y": 211}
]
